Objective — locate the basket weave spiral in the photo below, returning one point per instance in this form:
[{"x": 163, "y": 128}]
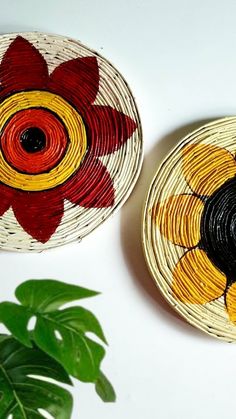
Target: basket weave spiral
[
  {"x": 189, "y": 229},
  {"x": 61, "y": 152}
]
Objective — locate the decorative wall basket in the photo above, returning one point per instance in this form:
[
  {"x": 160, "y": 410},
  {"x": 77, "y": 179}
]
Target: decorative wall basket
[
  {"x": 189, "y": 228},
  {"x": 71, "y": 142}
]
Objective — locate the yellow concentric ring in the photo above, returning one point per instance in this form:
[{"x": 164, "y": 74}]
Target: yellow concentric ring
[{"x": 76, "y": 148}]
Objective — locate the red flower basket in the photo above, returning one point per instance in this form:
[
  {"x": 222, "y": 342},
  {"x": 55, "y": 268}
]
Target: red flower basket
[{"x": 71, "y": 143}]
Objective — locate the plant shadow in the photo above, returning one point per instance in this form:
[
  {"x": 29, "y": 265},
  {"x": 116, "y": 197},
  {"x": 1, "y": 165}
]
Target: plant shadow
[{"x": 131, "y": 218}]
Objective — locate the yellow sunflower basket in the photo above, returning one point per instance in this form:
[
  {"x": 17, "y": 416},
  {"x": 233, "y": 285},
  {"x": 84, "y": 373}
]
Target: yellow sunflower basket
[{"x": 189, "y": 228}]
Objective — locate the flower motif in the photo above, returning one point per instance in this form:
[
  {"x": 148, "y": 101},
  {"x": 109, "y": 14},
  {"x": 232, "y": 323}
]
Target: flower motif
[
  {"x": 52, "y": 136},
  {"x": 205, "y": 224}
]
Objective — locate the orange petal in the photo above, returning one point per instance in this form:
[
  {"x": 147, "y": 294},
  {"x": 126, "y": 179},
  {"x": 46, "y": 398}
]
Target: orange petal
[
  {"x": 207, "y": 167},
  {"x": 178, "y": 219},
  {"x": 231, "y": 302},
  {"x": 196, "y": 280}
]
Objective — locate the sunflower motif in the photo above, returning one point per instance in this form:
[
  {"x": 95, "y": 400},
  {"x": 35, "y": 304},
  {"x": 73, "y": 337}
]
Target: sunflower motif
[
  {"x": 204, "y": 223},
  {"x": 52, "y": 135}
]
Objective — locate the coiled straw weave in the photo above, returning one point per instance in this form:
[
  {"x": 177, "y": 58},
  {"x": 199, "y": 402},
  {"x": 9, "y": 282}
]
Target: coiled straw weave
[
  {"x": 123, "y": 164},
  {"x": 189, "y": 228}
]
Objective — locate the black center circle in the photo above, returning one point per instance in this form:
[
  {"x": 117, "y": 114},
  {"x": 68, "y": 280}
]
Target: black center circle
[
  {"x": 218, "y": 229},
  {"x": 33, "y": 140}
]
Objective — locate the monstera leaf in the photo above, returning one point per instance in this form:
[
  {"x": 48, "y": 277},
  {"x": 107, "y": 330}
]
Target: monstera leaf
[
  {"x": 61, "y": 333},
  {"x": 24, "y": 393}
]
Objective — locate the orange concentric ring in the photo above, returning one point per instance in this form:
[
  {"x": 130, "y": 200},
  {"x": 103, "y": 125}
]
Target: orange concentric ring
[
  {"x": 75, "y": 151},
  {"x": 41, "y": 161}
]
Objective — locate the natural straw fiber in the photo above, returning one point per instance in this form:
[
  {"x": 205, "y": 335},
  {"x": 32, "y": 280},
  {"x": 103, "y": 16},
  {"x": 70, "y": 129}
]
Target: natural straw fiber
[
  {"x": 189, "y": 228},
  {"x": 71, "y": 141}
]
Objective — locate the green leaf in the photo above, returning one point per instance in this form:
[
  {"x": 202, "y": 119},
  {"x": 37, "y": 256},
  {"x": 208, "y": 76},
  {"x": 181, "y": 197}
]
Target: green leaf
[
  {"x": 66, "y": 335},
  {"x": 80, "y": 319},
  {"x": 22, "y": 393},
  {"x": 104, "y": 389},
  {"x": 47, "y": 295},
  {"x": 16, "y": 319},
  {"x": 60, "y": 333}
]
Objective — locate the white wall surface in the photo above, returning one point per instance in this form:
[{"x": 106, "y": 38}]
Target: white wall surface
[{"x": 179, "y": 58}]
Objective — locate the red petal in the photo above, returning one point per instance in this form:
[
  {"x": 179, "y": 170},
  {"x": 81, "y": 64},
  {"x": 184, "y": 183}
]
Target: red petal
[
  {"x": 77, "y": 81},
  {"x": 6, "y": 197},
  {"x": 108, "y": 129},
  {"x": 22, "y": 67},
  {"x": 91, "y": 186},
  {"x": 39, "y": 213}
]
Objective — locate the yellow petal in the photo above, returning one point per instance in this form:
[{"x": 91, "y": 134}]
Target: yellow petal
[
  {"x": 178, "y": 219},
  {"x": 231, "y": 302},
  {"x": 196, "y": 279},
  {"x": 207, "y": 167}
]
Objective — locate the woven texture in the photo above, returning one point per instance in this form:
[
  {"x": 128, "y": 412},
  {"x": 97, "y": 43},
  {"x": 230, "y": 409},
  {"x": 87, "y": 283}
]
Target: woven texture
[
  {"x": 71, "y": 141},
  {"x": 189, "y": 228}
]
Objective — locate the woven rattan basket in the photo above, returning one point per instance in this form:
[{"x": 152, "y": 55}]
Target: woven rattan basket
[
  {"x": 71, "y": 141},
  {"x": 189, "y": 228}
]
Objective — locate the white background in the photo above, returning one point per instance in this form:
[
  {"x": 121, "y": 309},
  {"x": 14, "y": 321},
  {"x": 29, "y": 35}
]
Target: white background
[{"x": 179, "y": 58}]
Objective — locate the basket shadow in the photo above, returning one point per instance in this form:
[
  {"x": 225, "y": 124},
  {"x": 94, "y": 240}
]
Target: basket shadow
[{"x": 131, "y": 243}]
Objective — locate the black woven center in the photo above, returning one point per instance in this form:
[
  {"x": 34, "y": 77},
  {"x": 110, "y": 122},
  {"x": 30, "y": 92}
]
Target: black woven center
[
  {"x": 218, "y": 229},
  {"x": 33, "y": 140}
]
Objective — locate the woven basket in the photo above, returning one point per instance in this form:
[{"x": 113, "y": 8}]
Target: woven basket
[
  {"x": 189, "y": 228},
  {"x": 71, "y": 141}
]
